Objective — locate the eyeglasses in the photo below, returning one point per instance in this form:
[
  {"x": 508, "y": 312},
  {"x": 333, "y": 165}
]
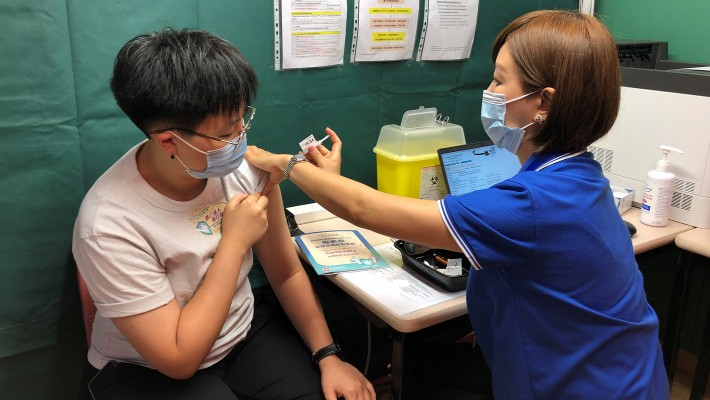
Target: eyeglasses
[{"x": 247, "y": 119}]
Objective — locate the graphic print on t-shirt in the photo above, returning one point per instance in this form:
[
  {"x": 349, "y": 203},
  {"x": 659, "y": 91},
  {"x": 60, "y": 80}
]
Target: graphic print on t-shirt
[{"x": 208, "y": 220}]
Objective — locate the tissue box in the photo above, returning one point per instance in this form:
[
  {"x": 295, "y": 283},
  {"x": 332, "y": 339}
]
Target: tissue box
[{"x": 622, "y": 198}]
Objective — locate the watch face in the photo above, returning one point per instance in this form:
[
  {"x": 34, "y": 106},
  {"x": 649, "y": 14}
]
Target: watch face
[{"x": 300, "y": 157}]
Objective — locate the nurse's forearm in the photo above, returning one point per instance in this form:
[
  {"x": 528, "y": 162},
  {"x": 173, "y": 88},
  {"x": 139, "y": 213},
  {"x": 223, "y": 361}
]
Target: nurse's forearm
[
  {"x": 394, "y": 216},
  {"x": 346, "y": 198}
]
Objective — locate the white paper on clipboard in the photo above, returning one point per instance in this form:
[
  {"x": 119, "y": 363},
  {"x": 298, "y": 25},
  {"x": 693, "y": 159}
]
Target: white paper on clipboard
[
  {"x": 312, "y": 33},
  {"x": 397, "y": 287}
]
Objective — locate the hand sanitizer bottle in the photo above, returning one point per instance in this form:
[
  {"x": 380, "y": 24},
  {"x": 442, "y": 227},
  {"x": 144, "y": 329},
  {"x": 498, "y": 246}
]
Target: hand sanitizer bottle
[{"x": 658, "y": 193}]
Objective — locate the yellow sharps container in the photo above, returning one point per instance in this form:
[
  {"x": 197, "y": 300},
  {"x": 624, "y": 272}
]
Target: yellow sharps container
[{"x": 407, "y": 162}]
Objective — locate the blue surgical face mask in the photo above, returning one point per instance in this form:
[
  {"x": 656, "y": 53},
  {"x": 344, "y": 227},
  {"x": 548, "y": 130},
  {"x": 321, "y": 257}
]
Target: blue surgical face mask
[
  {"x": 220, "y": 162},
  {"x": 493, "y": 118}
]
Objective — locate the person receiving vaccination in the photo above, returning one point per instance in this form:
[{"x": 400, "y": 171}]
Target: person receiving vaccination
[{"x": 164, "y": 241}]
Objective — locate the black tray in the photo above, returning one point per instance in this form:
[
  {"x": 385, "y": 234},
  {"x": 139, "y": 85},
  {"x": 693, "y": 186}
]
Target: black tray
[{"x": 416, "y": 262}]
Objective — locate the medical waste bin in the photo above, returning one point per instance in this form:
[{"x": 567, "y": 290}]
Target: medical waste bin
[{"x": 407, "y": 161}]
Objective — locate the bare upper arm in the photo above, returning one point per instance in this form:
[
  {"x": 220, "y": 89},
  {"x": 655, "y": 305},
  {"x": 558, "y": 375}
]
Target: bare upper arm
[{"x": 275, "y": 250}]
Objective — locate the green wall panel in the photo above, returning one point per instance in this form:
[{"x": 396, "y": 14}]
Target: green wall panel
[{"x": 683, "y": 24}]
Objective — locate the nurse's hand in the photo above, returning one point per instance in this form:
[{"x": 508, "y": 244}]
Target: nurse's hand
[
  {"x": 272, "y": 163},
  {"x": 328, "y": 160}
]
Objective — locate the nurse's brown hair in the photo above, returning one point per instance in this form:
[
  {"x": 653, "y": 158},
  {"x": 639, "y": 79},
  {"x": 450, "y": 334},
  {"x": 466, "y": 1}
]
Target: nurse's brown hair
[{"x": 574, "y": 54}]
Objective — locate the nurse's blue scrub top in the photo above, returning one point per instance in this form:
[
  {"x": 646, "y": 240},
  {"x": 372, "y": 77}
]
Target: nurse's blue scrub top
[{"x": 555, "y": 296}]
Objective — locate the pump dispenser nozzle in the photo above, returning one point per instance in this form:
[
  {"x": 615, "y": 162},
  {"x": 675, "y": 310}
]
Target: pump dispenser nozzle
[{"x": 663, "y": 163}]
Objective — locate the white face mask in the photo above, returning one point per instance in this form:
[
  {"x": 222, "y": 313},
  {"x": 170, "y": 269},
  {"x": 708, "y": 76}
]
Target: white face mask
[
  {"x": 493, "y": 118},
  {"x": 220, "y": 162}
]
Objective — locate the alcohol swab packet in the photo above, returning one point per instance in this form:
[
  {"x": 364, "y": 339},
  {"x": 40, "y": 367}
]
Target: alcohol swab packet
[
  {"x": 453, "y": 267},
  {"x": 310, "y": 140}
]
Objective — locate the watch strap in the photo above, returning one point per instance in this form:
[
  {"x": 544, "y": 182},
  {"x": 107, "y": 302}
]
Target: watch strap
[
  {"x": 295, "y": 159},
  {"x": 325, "y": 351}
]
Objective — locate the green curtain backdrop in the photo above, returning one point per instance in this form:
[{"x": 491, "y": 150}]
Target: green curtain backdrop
[{"x": 60, "y": 129}]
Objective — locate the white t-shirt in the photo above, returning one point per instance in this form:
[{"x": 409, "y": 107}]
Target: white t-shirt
[{"x": 137, "y": 250}]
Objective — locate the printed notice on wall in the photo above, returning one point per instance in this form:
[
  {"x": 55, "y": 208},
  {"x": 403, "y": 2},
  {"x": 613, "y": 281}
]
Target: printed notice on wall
[
  {"x": 384, "y": 30},
  {"x": 313, "y": 33},
  {"x": 449, "y": 27}
]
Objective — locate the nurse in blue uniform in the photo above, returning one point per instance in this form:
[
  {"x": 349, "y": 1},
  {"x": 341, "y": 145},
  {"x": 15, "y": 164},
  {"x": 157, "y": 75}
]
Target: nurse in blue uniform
[{"x": 556, "y": 298}]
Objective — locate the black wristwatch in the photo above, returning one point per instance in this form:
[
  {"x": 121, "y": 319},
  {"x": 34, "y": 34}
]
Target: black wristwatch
[{"x": 329, "y": 350}]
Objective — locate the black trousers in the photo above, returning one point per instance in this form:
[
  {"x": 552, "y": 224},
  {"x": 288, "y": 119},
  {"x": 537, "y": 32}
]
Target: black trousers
[{"x": 272, "y": 362}]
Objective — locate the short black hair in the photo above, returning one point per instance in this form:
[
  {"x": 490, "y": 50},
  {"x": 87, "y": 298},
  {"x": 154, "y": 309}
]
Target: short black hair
[{"x": 180, "y": 78}]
